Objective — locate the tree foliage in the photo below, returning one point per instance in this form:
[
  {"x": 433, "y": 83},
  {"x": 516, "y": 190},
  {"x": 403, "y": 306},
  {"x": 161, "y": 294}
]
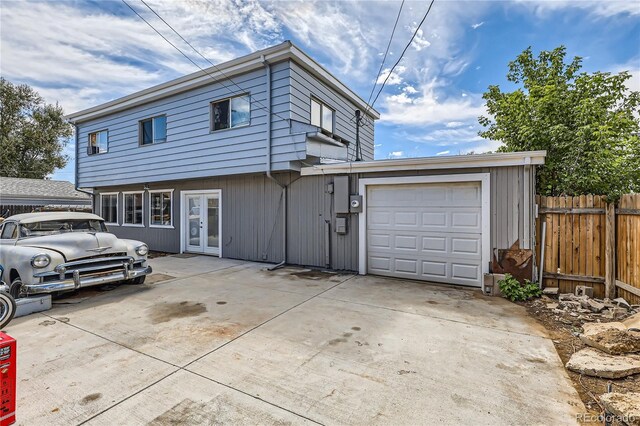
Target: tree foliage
[
  {"x": 33, "y": 134},
  {"x": 587, "y": 122}
]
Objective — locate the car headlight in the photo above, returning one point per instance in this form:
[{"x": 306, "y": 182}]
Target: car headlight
[
  {"x": 142, "y": 250},
  {"x": 40, "y": 260}
]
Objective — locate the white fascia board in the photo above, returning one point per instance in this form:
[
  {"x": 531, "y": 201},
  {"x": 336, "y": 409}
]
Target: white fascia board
[
  {"x": 221, "y": 73},
  {"x": 431, "y": 163}
]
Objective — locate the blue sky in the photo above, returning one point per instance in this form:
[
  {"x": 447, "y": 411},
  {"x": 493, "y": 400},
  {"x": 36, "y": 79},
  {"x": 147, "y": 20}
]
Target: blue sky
[{"x": 82, "y": 53}]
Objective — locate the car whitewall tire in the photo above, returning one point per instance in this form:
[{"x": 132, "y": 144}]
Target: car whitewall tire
[{"x": 7, "y": 309}]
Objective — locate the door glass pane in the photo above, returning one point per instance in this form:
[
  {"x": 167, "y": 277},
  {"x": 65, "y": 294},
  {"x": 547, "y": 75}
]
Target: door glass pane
[
  {"x": 193, "y": 238},
  {"x": 212, "y": 222}
]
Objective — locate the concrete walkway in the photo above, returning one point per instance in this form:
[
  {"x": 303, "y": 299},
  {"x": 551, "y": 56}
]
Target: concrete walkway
[{"x": 227, "y": 342}]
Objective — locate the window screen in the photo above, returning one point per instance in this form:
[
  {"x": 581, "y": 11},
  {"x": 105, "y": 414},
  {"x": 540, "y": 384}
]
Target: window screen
[{"x": 98, "y": 142}]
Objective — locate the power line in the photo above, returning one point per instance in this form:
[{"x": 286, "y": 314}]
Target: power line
[
  {"x": 393, "y": 31},
  {"x": 252, "y": 100},
  {"x": 403, "y": 52}
]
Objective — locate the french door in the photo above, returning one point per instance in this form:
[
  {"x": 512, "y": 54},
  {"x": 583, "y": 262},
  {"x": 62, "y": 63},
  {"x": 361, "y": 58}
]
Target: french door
[{"x": 201, "y": 227}]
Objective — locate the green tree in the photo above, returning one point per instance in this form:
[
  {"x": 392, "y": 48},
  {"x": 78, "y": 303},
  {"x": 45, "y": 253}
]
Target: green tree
[
  {"x": 587, "y": 122},
  {"x": 33, "y": 134}
]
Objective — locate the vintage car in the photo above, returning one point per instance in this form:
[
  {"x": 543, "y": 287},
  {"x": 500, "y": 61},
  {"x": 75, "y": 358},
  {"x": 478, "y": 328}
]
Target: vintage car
[{"x": 62, "y": 251}]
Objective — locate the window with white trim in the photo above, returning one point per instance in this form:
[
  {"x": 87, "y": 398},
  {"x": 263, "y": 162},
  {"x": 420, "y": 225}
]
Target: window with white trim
[
  {"x": 322, "y": 115},
  {"x": 98, "y": 142},
  {"x": 231, "y": 112},
  {"x": 109, "y": 208},
  {"x": 153, "y": 130},
  {"x": 160, "y": 202},
  {"x": 133, "y": 208}
]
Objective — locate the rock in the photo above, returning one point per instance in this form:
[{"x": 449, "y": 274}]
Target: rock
[
  {"x": 615, "y": 313},
  {"x": 625, "y": 406},
  {"x": 551, "y": 291},
  {"x": 569, "y": 304},
  {"x": 552, "y": 305},
  {"x": 612, "y": 338},
  {"x": 592, "y": 362},
  {"x": 567, "y": 296},
  {"x": 595, "y": 306},
  {"x": 583, "y": 290},
  {"x": 633, "y": 321},
  {"x": 622, "y": 303}
]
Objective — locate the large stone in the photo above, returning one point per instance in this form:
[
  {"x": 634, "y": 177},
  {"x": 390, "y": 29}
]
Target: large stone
[
  {"x": 624, "y": 406},
  {"x": 551, "y": 291},
  {"x": 612, "y": 338},
  {"x": 622, "y": 303},
  {"x": 592, "y": 362},
  {"x": 633, "y": 321},
  {"x": 595, "y": 306}
]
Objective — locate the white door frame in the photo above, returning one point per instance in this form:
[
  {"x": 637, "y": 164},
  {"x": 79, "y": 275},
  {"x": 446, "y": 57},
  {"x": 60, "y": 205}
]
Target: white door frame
[
  {"x": 485, "y": 191},
  {"x": 183, "y": 230}
]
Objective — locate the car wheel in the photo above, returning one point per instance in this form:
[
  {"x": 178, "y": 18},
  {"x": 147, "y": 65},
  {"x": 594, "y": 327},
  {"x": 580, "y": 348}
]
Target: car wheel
[
  {"x": 15, "y": 287},
  {"x": 139, "y": 280},
  {"x": 7, "y": 308}
]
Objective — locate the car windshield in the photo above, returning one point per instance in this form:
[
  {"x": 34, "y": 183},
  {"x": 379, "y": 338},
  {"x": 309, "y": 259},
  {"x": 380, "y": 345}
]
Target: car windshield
[{"x": 50, "y": 227}]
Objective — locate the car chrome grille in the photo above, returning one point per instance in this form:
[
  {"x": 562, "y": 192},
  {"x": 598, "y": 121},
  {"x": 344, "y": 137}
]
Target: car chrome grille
[{"x": 92, "y": 265}]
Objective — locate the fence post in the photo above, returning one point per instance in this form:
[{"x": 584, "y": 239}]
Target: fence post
[{"x": 610, "y": 253}]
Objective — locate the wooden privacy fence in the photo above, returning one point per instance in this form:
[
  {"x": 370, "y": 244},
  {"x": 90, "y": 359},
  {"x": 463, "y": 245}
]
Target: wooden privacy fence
[{"x": 589, "y": 242}]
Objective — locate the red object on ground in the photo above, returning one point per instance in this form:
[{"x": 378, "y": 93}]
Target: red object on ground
[{"x": 8, "y": 358}]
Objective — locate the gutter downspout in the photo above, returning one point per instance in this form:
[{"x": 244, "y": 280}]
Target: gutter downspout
[
  {"x": 267, "y": 68},
  {"x": 76, "y": 173}
]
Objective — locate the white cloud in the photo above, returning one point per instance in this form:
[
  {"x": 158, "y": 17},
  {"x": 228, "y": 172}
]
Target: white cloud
[
  {"x": 603, "y": 9},
  {"x": 454, "y": 124},
  {"x": 485, "y": 146},
  {"x": 443, "y": 152},
  {"x": 430, "y": 107},
  {"x": 396, "y": 154},
  {"x": 394, "y": 77},
  {"x": 478, "y": 25}
]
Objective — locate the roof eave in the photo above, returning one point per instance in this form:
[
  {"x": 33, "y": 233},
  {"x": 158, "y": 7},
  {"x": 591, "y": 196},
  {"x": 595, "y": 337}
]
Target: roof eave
[
  {"x": 506, "y": 159},
  {"x": 253, "y": 61}
]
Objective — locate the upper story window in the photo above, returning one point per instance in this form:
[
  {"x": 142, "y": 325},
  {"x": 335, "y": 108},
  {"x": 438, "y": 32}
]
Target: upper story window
[
  {"x": 321, "y": 115},
  {"x": 133, "y": 208},
  {"x": 153, "y": 130},
  {"x": 98, "y": 142},
  {"x": 230, "y": 113},
  {"x": 109, "y": 208}
]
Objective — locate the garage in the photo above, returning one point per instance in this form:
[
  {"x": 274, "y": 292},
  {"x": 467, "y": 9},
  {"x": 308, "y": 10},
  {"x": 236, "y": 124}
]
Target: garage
[{"x": 425, "y": 228}]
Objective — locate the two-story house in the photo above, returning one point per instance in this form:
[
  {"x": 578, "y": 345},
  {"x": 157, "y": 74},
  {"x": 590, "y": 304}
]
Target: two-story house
[{"x": 255, "y": 159}]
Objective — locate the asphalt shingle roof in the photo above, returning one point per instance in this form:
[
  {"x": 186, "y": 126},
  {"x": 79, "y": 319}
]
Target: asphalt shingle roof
[{"x": 21, "y": 188}]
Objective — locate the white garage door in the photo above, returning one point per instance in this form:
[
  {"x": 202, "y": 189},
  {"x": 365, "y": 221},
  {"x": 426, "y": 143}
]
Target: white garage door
[{"x": 427, "y": 232}]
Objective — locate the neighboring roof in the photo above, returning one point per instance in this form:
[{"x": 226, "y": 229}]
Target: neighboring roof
[
  {"x": 33, "y": 192},
  {"x": 430, "y": 163},
  {"x": 252, "y": 61},
  {"x": 44, "y": 216}
]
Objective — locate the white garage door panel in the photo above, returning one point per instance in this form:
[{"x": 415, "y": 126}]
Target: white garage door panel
[{"x": 426, "y": 231}]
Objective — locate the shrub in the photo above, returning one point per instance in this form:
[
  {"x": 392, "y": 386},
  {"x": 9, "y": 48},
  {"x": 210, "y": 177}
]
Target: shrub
[{"x": 516, "y": 292}]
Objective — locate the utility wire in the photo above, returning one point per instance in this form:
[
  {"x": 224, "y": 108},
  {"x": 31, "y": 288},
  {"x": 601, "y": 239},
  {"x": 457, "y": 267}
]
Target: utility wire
[
  {"x": 252, "y": 100},
  {"x": 375, "y": 83},
  {"x": 403, "y": 52}
]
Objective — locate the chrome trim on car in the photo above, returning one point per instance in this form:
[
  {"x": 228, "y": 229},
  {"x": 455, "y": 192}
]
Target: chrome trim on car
[{"x": 128, "y": 272}]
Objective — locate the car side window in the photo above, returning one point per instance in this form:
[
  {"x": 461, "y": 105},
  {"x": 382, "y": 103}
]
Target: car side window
[{"x": 8, "y": 231}]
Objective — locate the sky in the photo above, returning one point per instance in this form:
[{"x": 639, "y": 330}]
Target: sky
[{"x": 83, "y": 53}]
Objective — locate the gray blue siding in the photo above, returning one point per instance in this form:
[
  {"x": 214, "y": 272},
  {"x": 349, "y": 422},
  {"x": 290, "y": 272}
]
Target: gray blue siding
[
  {"x": 252, "y": 221},
  {"x": 193, "y": 151}
]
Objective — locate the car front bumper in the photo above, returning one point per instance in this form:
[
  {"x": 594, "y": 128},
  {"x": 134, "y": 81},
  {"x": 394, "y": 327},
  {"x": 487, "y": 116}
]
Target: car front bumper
[{"x": 128, "y": 271}]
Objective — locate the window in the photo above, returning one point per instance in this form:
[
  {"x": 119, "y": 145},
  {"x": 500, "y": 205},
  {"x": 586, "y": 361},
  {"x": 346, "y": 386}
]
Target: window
[
  {"x": 133, "y": 208},
  {"x": 153, "y": 130},
  {"x": 98, "y": 142},
  {"x": 322, "y": 116},
  {"x": 9, "y": 231},
  {"x": 160, "y": 208},
  {"x": 109, "y": 208},
  {"x": 230, "y": 113}
]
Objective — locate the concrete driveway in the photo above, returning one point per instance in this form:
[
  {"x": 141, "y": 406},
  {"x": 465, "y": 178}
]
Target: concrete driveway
[{"x": 226, "y": 341}]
